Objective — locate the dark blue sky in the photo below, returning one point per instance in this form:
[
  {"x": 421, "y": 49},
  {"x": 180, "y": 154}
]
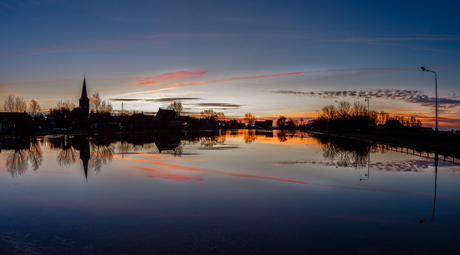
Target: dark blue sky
[{"x": 234, "y": 52}]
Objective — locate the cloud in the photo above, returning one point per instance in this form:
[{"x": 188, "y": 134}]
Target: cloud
[
  {"x": 226, "y": 105},
  {"x": 415, "y": 38},
  {"x": 408, "y": 96},
  {"x": 154, "y": 79},
  {"x": 165, "y": 99},
  {"x": 202, "y": 35},
  {"x": 173, "y": 99},
  {"x": 9, "y": 93},
  {"x": 126, "y": 99}
]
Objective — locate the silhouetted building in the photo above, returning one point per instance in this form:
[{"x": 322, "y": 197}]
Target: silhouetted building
[
  {"x": 167, "y": 119},
  {"x": 264, "y": 124},
  {"x": 393, "y": 125},
  {"x": 80, "y": 115},
  {"x": 15, "y": 121}
]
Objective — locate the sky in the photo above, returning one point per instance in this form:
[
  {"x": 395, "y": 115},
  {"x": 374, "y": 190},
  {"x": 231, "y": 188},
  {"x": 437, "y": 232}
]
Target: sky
[{"x": 269, "y": 58}]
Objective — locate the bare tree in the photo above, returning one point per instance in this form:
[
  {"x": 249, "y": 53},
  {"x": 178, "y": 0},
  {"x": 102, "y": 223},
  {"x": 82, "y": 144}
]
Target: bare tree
[
  {"x": 34, "y": 107},
  {"x": 329, "y": 112},
  {"x": 211, "y": 114},
  {"x": 250, "y": 119},
  {"x": 344, "y": 109},
  {"x": 100, "y": 106},
  {"x": 96, "y": 102},
  {"x": 15, "y": 104},
  {"x": 281, "y": 121},
  {"x": 359, "y": 109},
  {"x": 176, "y": 106}
]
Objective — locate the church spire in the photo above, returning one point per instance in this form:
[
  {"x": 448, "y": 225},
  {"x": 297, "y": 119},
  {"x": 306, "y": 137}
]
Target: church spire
[
  {"x": 84, "y": 100},
  {"x": 83, "y": 91}
]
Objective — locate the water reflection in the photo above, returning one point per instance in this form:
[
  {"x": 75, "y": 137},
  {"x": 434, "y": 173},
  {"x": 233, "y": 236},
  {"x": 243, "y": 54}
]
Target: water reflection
[
  {"x": 368, "y": 168},
  {"x": 435, "y": 187},
  {"x": 18, "y": 154}
]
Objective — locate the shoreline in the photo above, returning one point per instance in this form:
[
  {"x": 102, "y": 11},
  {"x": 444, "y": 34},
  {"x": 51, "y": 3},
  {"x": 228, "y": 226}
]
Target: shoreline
[{"x": 428, "y": 146}]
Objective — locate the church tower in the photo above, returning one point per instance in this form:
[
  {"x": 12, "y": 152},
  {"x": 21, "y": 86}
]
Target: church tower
[{"x": 84, "y": 100}]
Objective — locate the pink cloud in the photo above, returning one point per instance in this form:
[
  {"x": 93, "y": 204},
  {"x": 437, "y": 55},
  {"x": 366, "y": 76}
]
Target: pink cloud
[{"x": 151, "y": 79}]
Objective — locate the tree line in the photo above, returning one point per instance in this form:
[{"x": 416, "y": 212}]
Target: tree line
[{"x": 357, "y": 116}]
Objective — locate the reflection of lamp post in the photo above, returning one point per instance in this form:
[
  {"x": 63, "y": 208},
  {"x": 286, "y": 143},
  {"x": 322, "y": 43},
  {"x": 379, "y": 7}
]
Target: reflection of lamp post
[
  {"x": 435, "y": 182},
  {"x": 368, "y": 165},
  {"x": 436, "y": 92}
]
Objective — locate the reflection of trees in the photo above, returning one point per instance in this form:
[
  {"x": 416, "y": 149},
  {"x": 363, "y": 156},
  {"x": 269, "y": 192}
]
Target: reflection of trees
[
  {"x": 177, "y": 152},
  {"x": 67, "y": 156},
  {"x": 16, "y": 162},
  {"x": 250, "y": 136},
  {"x": 212, "y": 141},
  {"x": 344, "y": 153},
  {"x": 35, "y": 154},
  {"x": 101, "y": 154},
  {"x": 17, "y": 159},
  {"x": 283, "y": 136}
]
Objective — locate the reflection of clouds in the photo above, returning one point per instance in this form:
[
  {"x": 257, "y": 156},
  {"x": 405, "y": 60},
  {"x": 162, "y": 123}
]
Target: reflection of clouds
[
  {"x": 168, "y": 175},
  {"x": 409, "y": 165}
]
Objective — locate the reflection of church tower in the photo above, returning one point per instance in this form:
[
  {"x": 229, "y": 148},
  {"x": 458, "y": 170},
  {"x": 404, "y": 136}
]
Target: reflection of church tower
[
  {"x": 84, "y": 100},
  {"x": 85, "y": 154}
]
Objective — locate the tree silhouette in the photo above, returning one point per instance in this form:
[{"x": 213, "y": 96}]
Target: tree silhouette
[
  {"x": 176, "y": 106},
  {"x": 211, "y": 114},
  {"x": 281, "y": 121},
  {"x": 14, "y": 104},
  {"x": 34, "y": 108},
  {"x": 249, "y": 119}
]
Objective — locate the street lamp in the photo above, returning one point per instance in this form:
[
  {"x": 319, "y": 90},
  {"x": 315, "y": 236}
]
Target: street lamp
[
  {"x": 368, "y": 120},
  {"x": 436, "y": 91}
]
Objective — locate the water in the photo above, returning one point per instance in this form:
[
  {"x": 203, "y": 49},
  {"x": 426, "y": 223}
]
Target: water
[{"x": 233, "y": 192}]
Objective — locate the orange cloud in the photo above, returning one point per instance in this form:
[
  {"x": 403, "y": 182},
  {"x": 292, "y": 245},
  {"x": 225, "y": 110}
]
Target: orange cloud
[
  {"x": 9, "y": 93},
  {"x": 149, "y": 80}
]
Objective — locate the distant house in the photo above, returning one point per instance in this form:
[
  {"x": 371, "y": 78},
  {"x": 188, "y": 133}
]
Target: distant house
[
  {"x": 16, "y": 121},
  {"x": 263, "y": 124},
  {"x": 393, "y": 125},
  {"x": 425, "y": 129},
  {"x": 167, "y": 119}
]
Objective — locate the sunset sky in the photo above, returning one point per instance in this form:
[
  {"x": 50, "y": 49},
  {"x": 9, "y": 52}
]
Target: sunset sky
[{"x": 269, "y": 58}]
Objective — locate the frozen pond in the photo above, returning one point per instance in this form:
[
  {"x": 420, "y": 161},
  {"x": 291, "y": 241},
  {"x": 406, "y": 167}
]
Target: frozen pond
[{"x": 232, "y": 192}]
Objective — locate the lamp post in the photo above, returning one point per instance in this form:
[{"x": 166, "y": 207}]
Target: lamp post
[
  {"x": 368, "y": 120},
  {"x": 436, "y": 92}
]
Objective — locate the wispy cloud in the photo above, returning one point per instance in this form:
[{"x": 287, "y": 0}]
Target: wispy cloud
[
  {"x": 155, "y": 79},
  {"x": 165, "y": 99},
  {"x": 409, "y": 96},
  {"x": 170, "y": 35},
  {"x": 226, "y": 105},
  {"x": 414, "y": 38}
]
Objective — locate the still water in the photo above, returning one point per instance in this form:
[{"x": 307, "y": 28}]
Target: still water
[{"x": 232, "y": 192}]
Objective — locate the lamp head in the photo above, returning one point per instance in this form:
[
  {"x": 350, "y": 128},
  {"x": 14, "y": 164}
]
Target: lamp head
[{"x": 423, "y": 68}]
